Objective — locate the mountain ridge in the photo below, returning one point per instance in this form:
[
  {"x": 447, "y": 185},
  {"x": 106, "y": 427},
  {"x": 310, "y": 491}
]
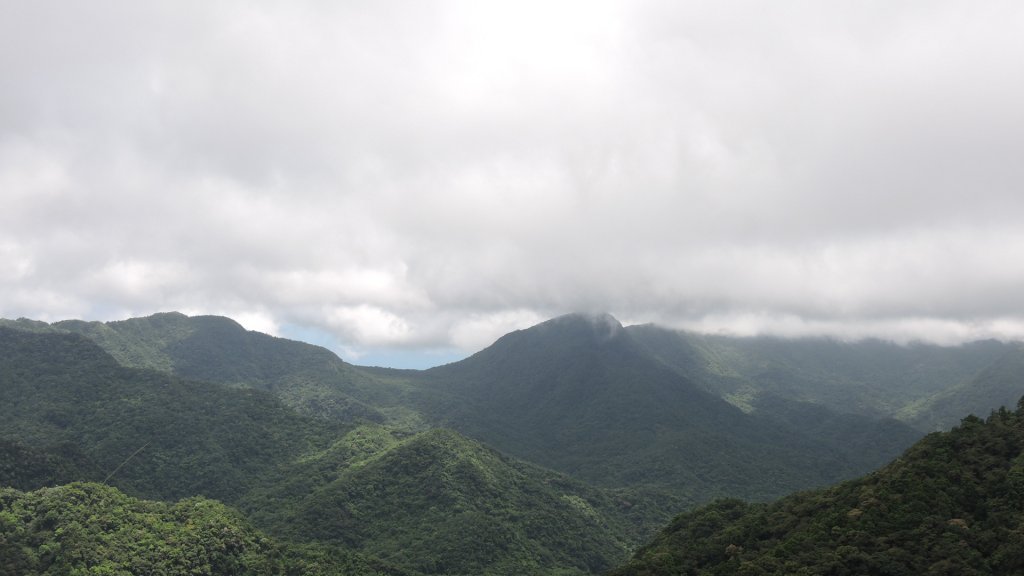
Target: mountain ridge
[
  {"x": 579, "y": 394},
  {"x": 951, "y": 504},
  {"x": 651, "y": 416},
  {"x": 217, "y": 349},
  {"x": 155, "y": 435}
]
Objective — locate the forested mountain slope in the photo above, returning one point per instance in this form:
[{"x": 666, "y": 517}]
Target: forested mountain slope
[
  {"x": 216, "y": 349},
  {"x": 868, "y": 377},
  {"x": 579, "y": 394},
  {"x": 441, "y": 503},
  {"x": 27, "y": 467},
  {"x": 95, "y": 529},
  {"x": 69, "y": 411},
  {"x": 953, "y": 504},
  {"x": 920, "y": 384},
  {"x": 999, "y": 384},
  {"x": 191, "y": 438},
  {"x": 562, "y": 394}
]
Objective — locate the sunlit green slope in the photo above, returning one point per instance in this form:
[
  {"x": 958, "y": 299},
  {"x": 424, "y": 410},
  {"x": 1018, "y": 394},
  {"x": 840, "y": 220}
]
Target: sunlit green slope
[{"x": 95, "y": 529}]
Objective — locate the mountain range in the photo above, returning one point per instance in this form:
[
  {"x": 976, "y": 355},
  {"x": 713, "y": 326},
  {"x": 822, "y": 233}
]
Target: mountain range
[
  {"x": 952, "y": 504},
  {"x": 582, "y": 395},
  {"x": 558, "y": 449}
]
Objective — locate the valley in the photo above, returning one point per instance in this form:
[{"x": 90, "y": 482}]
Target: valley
[{"x": 559, "y": 449}]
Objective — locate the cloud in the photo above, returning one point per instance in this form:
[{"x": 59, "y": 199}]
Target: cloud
[
  {"x": 428, "y": 175},
  {"x": 480, "y": 330}
]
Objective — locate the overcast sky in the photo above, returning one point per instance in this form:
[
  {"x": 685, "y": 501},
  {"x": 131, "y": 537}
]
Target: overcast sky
[{"x": 406, "y": 181}]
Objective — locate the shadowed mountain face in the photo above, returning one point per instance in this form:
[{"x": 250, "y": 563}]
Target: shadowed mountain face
[
  {"x": 953, "y": 504},
  {"x": 581, "y": 395},
  {"x": 442, "y": 503},
  {"x": 998, "y": 384},
  {"x": 925, "y": 386},
  {"x": 659, "y": 419},
  {"x": 180, "y": 438},
  {"x": 435, "y": 501},
  {"x": 870, "y": 377}
]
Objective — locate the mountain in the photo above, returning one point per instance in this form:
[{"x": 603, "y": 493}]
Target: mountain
[
  {"x": 869, "y": 377},
  {"x": 70, "y": 412},
  {"x": 365, "y": 461},
  {"x": 155, "y": 435},
  {"x": 440, "y": 503},
  {"x": 999, "y": 384},
  {"x": 581, "y": 395},
  {"x": 915, "y": 383},
  {"x": 28, "y": 467},
  {"x": 95, "y": 529},
  {"x": 952, "y": 504},
  {"x": 311, "y": 379}
]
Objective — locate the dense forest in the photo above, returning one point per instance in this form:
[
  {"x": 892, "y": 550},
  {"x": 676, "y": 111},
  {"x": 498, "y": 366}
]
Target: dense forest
[
  {"x": 431, "y": 501},
  {"x": 952, "y": 504},
  {"x": 86, "y": 528},
  {"x": 581, "y": 395},
  {"x": 200, "y": 447}
]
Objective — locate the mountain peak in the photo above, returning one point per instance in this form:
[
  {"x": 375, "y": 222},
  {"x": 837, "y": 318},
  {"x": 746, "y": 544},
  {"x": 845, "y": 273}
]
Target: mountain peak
[{"x": 603, "y": 326}]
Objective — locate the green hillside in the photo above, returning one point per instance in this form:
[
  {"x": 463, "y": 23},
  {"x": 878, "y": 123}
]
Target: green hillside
[
  {"x": 438, "y": 502},
  {"x": 434, "y": 502},
  {"x": 600, "y": 406},
  {"x": 28, "y": 467},
  {"x": 96, "y": 529},
  {"x": 999, "y": 384},
  {"x": 869, "y": 377},
  {"x": 359, "y": 463},
  {"x": 953, "y": 504},
  {"x": 308, "y": 378},
  {"x": 187, "y": 438},
  {"x": 580, "y": 395}
]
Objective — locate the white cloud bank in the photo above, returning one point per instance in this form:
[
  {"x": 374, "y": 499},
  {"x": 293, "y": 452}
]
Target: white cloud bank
[{"x": 430, "y": 175}]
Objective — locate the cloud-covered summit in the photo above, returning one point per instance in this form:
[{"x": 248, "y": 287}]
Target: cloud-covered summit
[{"x": 430, "y": 175}]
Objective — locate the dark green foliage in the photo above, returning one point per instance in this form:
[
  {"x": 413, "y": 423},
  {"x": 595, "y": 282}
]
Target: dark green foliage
[
  {"x": 595, "y": 400},
  {"x": 95, "y": 529},
  {"x": 441, "y": 503},
  {"x": 60, "y": 389},
  {"x": 580, "y": 395},
  {"x": 68, "y": 411},
  {"x": 27, "y": 468},
  {"x": 870, "y": 377},
  {"x": 953, "y": 504},
  {"x": 998, "y": 384},
  {"x": 309, "y": 378},
  {"x": 863, "y": 443}
]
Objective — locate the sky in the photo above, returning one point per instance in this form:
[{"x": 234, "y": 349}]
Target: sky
[{"x": 404, "y": 182}]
